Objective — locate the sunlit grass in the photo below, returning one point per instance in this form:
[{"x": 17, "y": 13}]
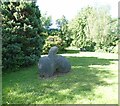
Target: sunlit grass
[{"x": 92, "y": 80}]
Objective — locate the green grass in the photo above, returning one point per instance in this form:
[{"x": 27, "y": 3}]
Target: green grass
[
  {"x": 92, "y": 80},
  {"x": 71, "y": 51}
]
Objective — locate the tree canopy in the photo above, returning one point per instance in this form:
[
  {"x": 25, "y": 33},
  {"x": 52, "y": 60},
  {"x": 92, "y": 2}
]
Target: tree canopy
[
  {"x": 21, "y": 34},
  {"x": 93, "y": 25}
]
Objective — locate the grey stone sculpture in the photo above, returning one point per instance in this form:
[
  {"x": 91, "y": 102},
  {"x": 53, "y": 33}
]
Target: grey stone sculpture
[{"x": 52, "y": 63}]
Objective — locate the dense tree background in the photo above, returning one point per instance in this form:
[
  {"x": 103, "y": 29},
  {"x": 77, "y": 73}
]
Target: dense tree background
[
  {"x": 59, "y": 36},
  {"x": 26, "y": 33},
  {"x": 94, "y": 29},
  {"x": 46, "y": 23},
  {"x": 64, "y": 32}
]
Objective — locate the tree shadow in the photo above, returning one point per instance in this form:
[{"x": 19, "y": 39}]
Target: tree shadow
[
  {"x": 86, "y": 61},
  {"x": 82, "y": 80},
  {"x": 70, "y": 51}
]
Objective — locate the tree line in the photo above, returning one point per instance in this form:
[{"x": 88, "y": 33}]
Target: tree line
[{"x": 26, "y": 33}]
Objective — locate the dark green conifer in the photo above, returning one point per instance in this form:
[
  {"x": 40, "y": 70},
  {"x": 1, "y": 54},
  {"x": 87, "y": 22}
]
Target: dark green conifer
[{"x": 21, "y": 33}]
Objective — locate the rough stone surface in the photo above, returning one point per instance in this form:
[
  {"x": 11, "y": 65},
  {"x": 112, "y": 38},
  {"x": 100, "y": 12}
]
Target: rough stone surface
[
  {"x": 62, "y": 64},
  {"x": 46, "y": 67},
  {"x": 52, "y": 63}
]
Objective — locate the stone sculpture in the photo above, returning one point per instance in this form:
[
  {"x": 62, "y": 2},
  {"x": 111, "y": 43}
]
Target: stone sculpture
[{"x": 52, "y": 63}]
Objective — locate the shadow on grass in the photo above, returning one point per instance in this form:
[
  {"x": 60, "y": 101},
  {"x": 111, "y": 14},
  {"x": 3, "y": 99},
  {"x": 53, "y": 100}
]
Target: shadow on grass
[
  {"x": 70, "y": 51},
  {"x": 26, "y": 87},
  {"x": 86, "y": 61}
]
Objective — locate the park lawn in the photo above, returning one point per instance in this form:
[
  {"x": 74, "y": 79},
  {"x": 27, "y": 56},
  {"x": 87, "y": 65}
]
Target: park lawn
[{"x": 92, "y": 80}]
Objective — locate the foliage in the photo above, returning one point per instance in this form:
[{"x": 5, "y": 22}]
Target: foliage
[
  {"x": 21, "y": 32},
  {"x": 64, "y": 33},
  {"x": 88, "y": 26},
  {"x": 54, "y": 32},
  {"x": 112, "y": 38},
  {"x": 89, "y": 46},
  {"x": 114, "y": 49},
  {"x": 91, "y": 81},
  {"x": 77, "y": 27},
  {"x": 53, "y": 41},
  {"x": 46, "y": 22}
]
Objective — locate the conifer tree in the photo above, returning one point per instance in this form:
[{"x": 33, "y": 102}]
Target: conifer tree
[{"x": 21, "y": 33}]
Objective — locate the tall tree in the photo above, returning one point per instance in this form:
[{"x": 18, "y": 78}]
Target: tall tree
[
  {"x": 91, "y": 24},
  {"x": 77, "y": 27},
  {"x": 65, "y": 34},
  {"x": 22, "y": 40},
  {"x": 46, "y": 21}
]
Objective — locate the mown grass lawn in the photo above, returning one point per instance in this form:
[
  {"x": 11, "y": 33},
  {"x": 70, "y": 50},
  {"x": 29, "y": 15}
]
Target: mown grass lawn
[{"x": 93, "y": 80}]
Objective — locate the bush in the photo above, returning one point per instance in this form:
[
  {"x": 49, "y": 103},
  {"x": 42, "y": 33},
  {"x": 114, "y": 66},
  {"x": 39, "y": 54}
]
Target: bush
[
  {"x": 53, "y": 41},
  {"x": 114, "y": 49},
  {"x": 22, "y": 42},
  {"x": 89, "y": 46}
]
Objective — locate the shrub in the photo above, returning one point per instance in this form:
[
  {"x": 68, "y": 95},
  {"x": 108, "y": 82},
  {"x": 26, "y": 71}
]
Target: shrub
[
  {"x": 53, "y": 41},
  {"x": 89, "y": 46},
  {"x": 22, "y": 42},
  {"x": 114, "y": 49}
]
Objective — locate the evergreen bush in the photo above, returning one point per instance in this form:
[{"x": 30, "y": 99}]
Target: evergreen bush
[
  {"x": 21, "y": 34},
  {"x": 90, "y": 46}
]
